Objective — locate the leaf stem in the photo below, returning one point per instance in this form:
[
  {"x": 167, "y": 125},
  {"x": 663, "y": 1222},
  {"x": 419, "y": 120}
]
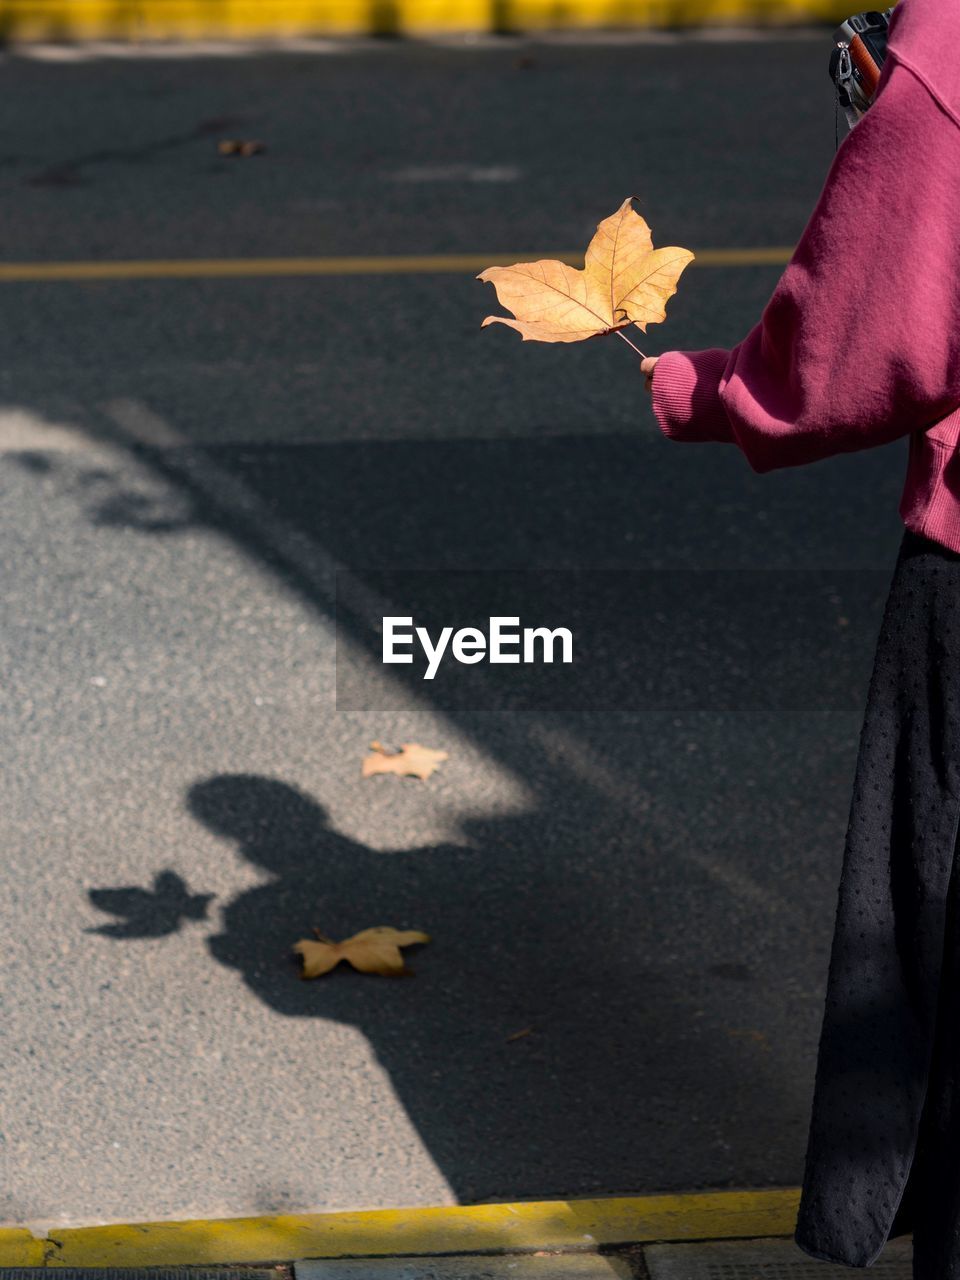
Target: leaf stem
[{"x": 621, "y": 334}]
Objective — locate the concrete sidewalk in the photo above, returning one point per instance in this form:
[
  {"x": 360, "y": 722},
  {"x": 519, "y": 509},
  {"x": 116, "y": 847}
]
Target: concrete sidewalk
[
  {"x": 760, "y": 1259},
  {"x": 774, "y": 1258}
]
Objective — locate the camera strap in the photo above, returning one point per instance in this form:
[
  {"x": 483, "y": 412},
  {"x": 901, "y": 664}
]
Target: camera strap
[
  {"x": 843, "y": 79},
  {"x": 843, "y": 74}
]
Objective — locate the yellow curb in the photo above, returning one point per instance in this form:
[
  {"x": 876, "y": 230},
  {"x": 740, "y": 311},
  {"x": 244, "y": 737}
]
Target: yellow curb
[
  {"x": 20, "y": 1248},
  {"x": 524, "y": 1226},
  {"x": 397, "y": 264},
  {"x": 278, "y": 19}
]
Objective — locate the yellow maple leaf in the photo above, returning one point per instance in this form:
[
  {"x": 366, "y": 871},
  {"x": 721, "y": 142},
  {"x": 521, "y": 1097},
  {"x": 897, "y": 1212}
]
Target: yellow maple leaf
[
  {"x": 624, "y": 281},
  {"x": 411, "y": 760},
  {"x": 374, "y": 950}
]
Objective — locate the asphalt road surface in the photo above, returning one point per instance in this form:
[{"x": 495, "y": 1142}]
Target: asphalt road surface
[{"x": 630, "y": 894}]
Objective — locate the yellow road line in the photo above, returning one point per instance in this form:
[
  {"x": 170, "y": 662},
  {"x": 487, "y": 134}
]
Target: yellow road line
[
  {"x": 524, "y": 1226},
  {"x": 772, "y": 257},
  {"x": 398, "y": 264}
]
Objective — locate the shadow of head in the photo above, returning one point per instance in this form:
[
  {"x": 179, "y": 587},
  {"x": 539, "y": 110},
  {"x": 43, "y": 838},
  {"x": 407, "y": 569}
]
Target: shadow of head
[
  {"x": 318, "y": 877},
  {"x": 273, "y": 822}
]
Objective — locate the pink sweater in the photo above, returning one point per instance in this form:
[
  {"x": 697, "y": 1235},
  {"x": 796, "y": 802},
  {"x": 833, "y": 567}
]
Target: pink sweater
[{"x": 860, "y": 342}]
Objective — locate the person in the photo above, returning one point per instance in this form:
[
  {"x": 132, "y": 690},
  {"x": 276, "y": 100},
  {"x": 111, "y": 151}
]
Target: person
[{"x": 859, "y": 345}]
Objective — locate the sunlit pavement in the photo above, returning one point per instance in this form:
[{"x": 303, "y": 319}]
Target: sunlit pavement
[{"x": 630, "y": 905}]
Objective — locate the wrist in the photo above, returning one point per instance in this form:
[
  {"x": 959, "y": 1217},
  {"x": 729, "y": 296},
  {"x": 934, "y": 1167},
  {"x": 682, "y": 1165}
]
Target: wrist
[{"x": 686, "y": 394}]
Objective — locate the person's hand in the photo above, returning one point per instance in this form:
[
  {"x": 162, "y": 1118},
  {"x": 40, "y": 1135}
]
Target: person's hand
[{"x": 647, "y": 366}]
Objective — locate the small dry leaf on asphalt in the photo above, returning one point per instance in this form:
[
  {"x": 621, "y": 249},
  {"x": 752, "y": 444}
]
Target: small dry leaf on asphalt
[
  {"x": 240, "y": 147},
  {"x": 624, "y": 281},
  {"x": 374, "y": 950},
  {"x": 411, "y": 761}
]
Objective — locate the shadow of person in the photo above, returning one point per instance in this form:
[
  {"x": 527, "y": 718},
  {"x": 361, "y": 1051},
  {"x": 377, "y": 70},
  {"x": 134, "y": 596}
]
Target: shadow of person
[
  {"x": 533, "y": 1035},
  {"x": 502, "y": 1034}
]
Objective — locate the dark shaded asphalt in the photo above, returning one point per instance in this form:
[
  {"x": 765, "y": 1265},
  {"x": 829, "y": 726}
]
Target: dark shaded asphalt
[{"x": 645, "y": 886}]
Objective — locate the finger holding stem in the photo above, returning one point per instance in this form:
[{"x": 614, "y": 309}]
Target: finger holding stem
[{"x": 647, "y": 366}]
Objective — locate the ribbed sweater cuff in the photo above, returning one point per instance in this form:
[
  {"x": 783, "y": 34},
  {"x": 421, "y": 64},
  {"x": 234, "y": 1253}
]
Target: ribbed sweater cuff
[{"x": 686, "y": 395}]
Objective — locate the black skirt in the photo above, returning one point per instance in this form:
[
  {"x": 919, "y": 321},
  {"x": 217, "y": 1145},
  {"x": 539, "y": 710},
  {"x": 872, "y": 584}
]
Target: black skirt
[{"x": 883, "y": 1153}]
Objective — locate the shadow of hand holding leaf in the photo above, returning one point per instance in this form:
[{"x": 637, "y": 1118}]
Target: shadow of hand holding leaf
[{"x": 149, "y": 913}]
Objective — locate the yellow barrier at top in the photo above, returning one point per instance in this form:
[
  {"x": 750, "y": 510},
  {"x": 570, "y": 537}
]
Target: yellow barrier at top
[{"x": 134, "y": 20}]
